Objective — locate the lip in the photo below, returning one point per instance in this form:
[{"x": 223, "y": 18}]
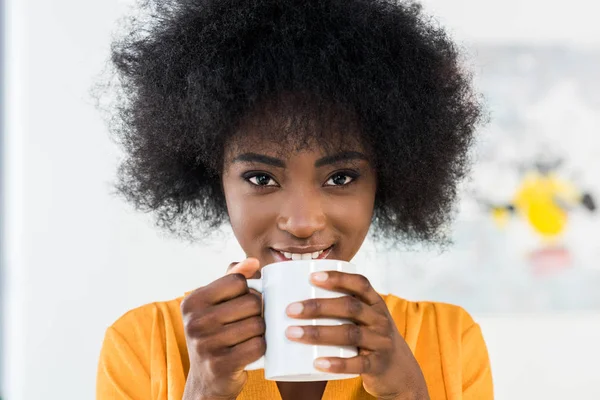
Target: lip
[{"x": 278, "y": 254}]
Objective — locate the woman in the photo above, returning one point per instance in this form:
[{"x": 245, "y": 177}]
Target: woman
[{"x": 303, "y": 124}]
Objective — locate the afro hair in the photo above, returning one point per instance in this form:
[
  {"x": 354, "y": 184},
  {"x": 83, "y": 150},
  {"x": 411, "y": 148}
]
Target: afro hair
[{"x": 190, "y": 72}]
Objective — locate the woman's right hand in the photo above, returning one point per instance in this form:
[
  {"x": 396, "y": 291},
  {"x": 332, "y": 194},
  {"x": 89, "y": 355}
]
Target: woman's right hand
[{"x": 224, "y": 333}]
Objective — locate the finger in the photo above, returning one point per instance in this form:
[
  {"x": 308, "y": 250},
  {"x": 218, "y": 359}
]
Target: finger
[
  {"x": 346, "y": 307},
  {"x": 236, "y": 333},
  {"x": 340, "y": 335},
  {"x": 361, "y": 364},
  {"x": 248, "y": 305},
  {"x": 213, "y": 318},
  {"x": 233, "y": 264},
  {"x": 224, "y": 288},
  {"x": 354, "y": 284},
  {"x": 238, "y": 357},
  {"x": 250, "y": 268},
  {"x": 247, "y": 352},
  {"x": 219, "y": 291}
]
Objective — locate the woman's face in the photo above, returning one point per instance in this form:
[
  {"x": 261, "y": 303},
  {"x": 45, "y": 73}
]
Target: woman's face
[{"x": 307, "y": 204}]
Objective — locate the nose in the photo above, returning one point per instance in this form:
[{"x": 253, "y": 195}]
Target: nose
[{"x": 302, "y": 214}]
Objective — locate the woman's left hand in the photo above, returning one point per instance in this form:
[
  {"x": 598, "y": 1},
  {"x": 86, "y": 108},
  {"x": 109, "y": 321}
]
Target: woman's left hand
[{"x": 387, "y": 366}]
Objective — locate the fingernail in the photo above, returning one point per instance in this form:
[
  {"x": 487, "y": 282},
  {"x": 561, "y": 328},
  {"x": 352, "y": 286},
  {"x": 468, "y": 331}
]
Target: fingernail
[
  {"x": 322, "y": 364},
  {"x": 320, "y": 276},
  {"x": 295, "y": 308},
  {"x": 294, "y": 332}
]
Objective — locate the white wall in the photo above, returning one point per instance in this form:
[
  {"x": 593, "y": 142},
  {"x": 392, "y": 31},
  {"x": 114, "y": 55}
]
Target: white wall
[
  {"x": 522, "y": 21},
  {"x": 76, "y": 258}
]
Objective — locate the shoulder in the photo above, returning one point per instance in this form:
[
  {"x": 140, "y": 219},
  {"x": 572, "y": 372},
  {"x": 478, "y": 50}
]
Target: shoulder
[
  {"x": 441, "y": 334},
  {"x": 437, "y": 321},
  {"x": 133, "y": 334},
  {"x": 142, "y": 321},
  {"x": 443, "y": 313},
  {"x": 133, "y": 348}
]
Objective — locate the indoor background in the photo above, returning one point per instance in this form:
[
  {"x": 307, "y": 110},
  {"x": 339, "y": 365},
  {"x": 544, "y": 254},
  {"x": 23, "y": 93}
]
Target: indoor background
[{"x": 73, "y": 255}]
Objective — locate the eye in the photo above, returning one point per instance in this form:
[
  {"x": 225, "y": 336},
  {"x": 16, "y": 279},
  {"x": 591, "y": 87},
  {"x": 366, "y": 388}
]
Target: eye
[
  {"x": 340, "y": 179},
  {"x": 261, "y": 180}
]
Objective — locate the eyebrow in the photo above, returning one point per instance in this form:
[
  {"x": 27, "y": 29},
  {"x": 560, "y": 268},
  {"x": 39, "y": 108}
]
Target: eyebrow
[
  {"x": 276, "y": 162},
  {"x": 260, "y": 158}
]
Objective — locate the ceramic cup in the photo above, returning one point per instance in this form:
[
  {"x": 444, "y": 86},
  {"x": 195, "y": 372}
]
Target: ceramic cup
[{"x": 281, "y": 284}]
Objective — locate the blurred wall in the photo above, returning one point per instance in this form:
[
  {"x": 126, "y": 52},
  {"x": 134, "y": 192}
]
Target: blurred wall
[{"x": 76, "y": 258}]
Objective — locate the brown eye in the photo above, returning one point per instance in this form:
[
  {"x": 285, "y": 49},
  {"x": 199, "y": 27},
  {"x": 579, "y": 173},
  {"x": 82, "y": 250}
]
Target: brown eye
[
  {"x": 339, "y": 179},
  {"x": 262, "y": 180}
]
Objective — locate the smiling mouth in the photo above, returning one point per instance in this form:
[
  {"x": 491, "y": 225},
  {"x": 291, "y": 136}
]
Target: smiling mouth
[{"x": 287, "y": 256}]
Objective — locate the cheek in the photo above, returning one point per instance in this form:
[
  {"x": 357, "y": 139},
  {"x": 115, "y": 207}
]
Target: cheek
[
  {"x": 353, "y": 214},
  {"x": 249, "y": 217}
]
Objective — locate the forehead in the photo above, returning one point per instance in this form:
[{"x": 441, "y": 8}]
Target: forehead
[
  {"x": 291, "y": 124},
  {"x": 286, "y": 141},
  {"x": 288, "y": 148}
]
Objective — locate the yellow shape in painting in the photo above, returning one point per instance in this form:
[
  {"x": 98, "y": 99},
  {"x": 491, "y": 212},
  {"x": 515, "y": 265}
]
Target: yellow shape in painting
[
  {"x": 543, "y": 199},
  {"x": 547, "y": 219}
]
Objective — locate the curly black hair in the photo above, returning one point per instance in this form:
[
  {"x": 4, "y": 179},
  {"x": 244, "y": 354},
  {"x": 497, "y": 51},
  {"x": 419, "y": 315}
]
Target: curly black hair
[{"x": 190, "y": 72}]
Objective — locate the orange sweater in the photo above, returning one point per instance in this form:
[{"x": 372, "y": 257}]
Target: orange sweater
[{"x": 144, "y": 355}]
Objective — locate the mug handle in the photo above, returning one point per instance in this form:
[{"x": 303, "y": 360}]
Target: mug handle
[{"x": 256, "y": 284}]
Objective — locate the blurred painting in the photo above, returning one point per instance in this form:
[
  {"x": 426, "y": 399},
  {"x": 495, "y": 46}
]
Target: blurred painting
[{"x": 526, "y": 237}]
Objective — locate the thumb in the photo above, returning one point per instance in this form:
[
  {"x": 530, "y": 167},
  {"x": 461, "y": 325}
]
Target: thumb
[{"x": 250, "y": 268}]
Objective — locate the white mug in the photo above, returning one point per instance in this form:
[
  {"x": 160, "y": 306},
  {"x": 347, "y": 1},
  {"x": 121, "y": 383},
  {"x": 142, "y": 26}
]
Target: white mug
[{"x": 281, "y": 284}]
